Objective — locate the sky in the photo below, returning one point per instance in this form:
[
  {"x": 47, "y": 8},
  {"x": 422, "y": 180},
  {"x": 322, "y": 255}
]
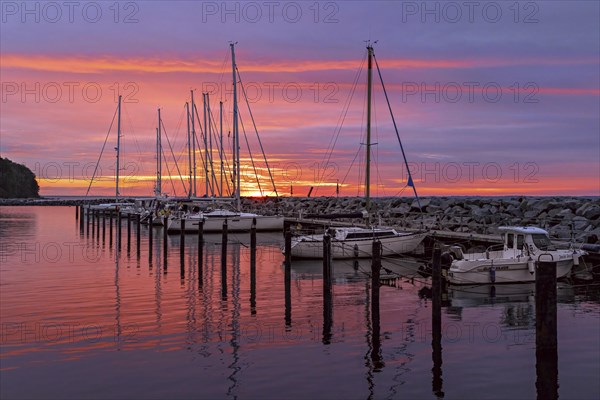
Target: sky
[{"x": 489, "y": 97}]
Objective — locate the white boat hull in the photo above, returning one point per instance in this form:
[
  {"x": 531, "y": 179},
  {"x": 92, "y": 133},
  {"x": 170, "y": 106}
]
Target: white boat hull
[
  {"x": 464, "y": 272},
  {"x": 234, "y": 223},
  {"x": 356, "y": 248}
]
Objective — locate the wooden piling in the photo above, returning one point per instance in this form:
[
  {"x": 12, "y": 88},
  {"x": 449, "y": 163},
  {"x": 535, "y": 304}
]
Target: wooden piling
[
  {"x": 119, "y": 230},
  {"x": 93, "y": 218},
  {"x": 436, "y": 321},
  {"x": 288, "y": 278},
  {"x": 81, "y": 218},
  {"x": 288, "y": 248},
  {"x": 253, "y": 267},
  {"x": 87, "y": 220},
  {"x": 165, "y": 243},
  {"x": 327, "y": 295},
  {"x": 128, "y": 233},
  {"x": 138, "y": 234},
  {"x": 546, "y": 344},
  {"x": 97, "y": 215},
  {"x": 103, "y": 227},
  {"x": 150, "y": 240},
  {"x": 110, "y": 229}
]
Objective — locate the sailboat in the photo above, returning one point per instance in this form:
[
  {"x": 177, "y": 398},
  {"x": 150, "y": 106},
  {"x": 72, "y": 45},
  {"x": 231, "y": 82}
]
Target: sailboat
[
  {"x": 236, "y": 220},
  {"x": 356, "y": 242},
  {"x": 116, "y": 205}
]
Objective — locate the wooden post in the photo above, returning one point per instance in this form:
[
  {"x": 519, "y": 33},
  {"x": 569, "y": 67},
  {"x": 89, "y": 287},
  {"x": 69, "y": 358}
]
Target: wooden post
[
  {"x": 97, "y": 215},
  {"x": 150, "y": 239},
  {"x": 546, "y": 346},
  {"x": 110, "y": 229},
  {"x": 165, "y": 243},
  {"x": 87, "y": 220},
  {"x": 253, "y": 267},
  {"x": 288, "y": 248},
  {"x": 93, "y": 223},
  {"x": 128, "y": 233},
  {"x": 103, "y": 227},
  {"x": 327, "y": 298},
  {"x": 224, "y": 261},
  {"x": 182, "y": 241},
  {"x": 81, "y": 218},
  {"x": 288, "y": 278},
  {"x": 436, "y": 321},
  {"x": 376, "y": 357},
  {"x": 138, "y": 233},
  {"x": 76, "y": 213},
  {"x": 119, "y": 231}
]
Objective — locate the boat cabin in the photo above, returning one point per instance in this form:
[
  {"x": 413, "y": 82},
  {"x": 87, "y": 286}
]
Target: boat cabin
[{"x": 526, "y": 240}]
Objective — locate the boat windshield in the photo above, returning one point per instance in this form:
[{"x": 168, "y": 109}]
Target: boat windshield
[{"x": 542, "y": 242}]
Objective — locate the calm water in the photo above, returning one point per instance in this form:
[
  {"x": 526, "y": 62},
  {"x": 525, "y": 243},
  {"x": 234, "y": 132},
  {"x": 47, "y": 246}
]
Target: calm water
[{"x": 80, "y": 320}]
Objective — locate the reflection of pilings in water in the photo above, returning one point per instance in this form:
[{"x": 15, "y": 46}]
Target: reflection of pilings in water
[
  {"x": 182, "y": 251},
  {"x": 191, "y": 303},
  {"x": 436, "y": 322},
  {"x": 224, "y": 262},
  {"x": 368, "y": 337},
  {"x": 117, "y": 304},
  {"x": 253, "y": 268},
  {"x": 327, "y": 295},
  {"x": 235, "y": 321},
  {"x": 165, "y": 244},
  {"x": 200, "y": 251},
  {"x": 376, "y": 357},
  {"x": 546, "y": 344}
]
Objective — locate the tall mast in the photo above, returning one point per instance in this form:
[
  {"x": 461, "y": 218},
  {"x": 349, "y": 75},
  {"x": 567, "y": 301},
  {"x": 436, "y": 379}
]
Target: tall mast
[
  {"x": 159, "y": 156},
  {"x": 118, "y": 149},
  {"x": 189, "y": 145},
  {"x": 368, "y": 149},
  {"x": 206, "y": 173},
  {"x": 236, "y": 155},
  {"x": 194, "y": 140},
  {"x": 221, "y": 146},
  {"x": 210, "y": 147}
]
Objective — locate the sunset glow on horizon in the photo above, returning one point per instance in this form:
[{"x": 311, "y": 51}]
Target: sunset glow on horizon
[{"x": 483, "y": 106}]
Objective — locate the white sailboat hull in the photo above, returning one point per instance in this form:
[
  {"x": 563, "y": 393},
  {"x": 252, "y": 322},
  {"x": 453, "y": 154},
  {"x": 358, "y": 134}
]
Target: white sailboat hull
[
  {"x": 312, "y": 247},
  {"x": 234, "y": 223}
]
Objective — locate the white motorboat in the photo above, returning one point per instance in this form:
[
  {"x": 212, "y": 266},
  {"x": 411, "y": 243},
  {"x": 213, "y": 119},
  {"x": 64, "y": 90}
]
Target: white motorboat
[
  {"x": 355, "y": 242},
  {"x": 516, "y": 261}
]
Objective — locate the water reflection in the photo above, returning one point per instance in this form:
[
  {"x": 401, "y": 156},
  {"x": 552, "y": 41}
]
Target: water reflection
[{"x": 218, "y": 326}]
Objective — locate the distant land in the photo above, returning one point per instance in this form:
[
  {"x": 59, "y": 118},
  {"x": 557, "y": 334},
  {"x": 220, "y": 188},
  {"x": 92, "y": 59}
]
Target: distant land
[{"x": 17, "y": 181}]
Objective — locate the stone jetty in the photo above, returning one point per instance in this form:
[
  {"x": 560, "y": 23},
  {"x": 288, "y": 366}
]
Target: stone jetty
[{"x": 563, "y": 217}]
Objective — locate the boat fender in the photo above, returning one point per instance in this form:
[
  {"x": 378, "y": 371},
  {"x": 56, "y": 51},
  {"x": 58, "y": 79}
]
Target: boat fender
[
  {"x": 531, "y": 265},
  {"x": 575, "y": 258},
  {"x": 492, "y": 273}
]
